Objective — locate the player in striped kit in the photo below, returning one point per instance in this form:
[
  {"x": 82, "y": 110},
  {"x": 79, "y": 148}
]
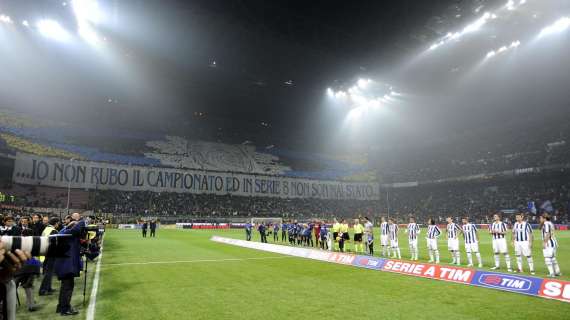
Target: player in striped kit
[
  {"x": 522, "y": 241},
  {"x": 384, "y": 240},
  {"x": 433, "y": 233},
  {"x": 369, "y": 233},
  {"x": 413, "y": 231},
  {"x": 393, "y": 230},
  {"x": 453, "y": 231},
  {"x": 549, "y": 246},
  {"x": 471, "y": 242},
  {"x": 498, "y": 231}
]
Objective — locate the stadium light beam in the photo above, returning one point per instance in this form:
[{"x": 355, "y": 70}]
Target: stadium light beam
[
  {"x": 25, "y": 23},
  {"x": 559, "y": 26},
  {"x": 503, "y": 49},
  {"x": 53, "y": 30},
  {"x": 340, "y": 94},
  {"x": 330, "y": 92},
  {"x": 86, "y": 11},
  {"x": 89, "y": 35}
]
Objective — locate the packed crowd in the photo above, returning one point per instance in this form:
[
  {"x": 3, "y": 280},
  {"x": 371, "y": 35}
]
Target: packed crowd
[
  {"x": 45, "y": 197},
  {"x": 488, "y": 150},
  {"x": 481, "y": 200},
  {"x": 212, "y": 206},
  {"x": 67, "y": 265},
  {"x": 478, "y": 199}
]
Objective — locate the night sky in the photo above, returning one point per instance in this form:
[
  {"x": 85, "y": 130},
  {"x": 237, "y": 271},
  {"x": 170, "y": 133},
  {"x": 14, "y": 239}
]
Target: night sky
[{"x": 255, "y": 63}]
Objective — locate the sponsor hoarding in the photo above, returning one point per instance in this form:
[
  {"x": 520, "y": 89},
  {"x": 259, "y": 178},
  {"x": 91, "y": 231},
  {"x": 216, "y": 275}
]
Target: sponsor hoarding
[
  {"x": 507, "y": 282},
  {"x": 534, "y": 286},
  {"x": 555, "y": 289},
  {"x": 433, "y": 271}
]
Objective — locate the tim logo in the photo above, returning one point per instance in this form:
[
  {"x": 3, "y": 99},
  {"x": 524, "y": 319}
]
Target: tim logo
[
  {"x": 505, "y": 282},
  {"x": 368, "y": 263}
]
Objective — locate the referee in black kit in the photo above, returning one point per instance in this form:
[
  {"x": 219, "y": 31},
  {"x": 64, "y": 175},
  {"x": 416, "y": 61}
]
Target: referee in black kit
[
  {"x": 153, "y": 228},
  {"x": 144, "y": 228}
]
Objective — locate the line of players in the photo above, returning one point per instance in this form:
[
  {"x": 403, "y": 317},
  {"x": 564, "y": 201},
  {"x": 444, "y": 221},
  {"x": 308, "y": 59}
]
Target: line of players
[
  {"x": 522, "y": 241},
  {"x": 521, "y": 238},
  {"x": 301, "y": 234}
]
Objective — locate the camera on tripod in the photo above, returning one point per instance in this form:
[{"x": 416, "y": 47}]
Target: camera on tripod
[{"x": 90, "y": 241}]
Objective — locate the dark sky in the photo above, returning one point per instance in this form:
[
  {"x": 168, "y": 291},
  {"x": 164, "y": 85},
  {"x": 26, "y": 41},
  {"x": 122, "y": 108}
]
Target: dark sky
[
  {"x": 259, "y": 46},
  {"x": 252, "y": 61}
]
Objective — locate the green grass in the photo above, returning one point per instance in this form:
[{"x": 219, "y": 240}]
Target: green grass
[{"x": 283, "y": 288}]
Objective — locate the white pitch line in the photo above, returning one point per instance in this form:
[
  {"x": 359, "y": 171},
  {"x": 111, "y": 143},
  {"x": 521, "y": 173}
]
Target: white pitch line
[
  {"x": 192, "y": 261},
  {"x": 93, "y": 296}
]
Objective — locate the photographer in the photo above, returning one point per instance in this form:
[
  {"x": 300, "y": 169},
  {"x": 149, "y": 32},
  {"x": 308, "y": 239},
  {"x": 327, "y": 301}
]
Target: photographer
[
  {"x": 69, "y": 267},
  {"x": 10, "y": 262},
  {"x": 24, "y": 277},
  {"x": 48, "y": 262}
]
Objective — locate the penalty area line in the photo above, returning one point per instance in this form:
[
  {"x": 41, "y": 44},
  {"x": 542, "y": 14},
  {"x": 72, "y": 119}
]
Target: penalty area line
[{"x": 191, "y": 261}]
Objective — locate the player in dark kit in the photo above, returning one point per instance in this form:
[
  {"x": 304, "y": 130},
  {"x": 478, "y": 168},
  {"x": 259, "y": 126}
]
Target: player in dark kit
[
  {"x": 324, "y": 237},
  {"x": 144, "y": 228},
  {"x": 310, "y": 227},
  {"x": 275, "y": 232},
  {"x": 299, "y": 233},
  {"x": 261, "y": 228},
  {"x": 284, "y": 229},
  {"x": 153, "y": 228},
  {"x": 248, "y": 229},
  {"x": 291, "y": 233}
]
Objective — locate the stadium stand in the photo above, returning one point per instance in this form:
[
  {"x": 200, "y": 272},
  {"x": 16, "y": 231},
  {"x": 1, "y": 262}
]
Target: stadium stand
[{"x": 19, "y": 132}]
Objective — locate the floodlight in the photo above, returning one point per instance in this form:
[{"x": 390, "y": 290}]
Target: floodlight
[
  {"x": 6, "y": 19},
  {"x": 559, "y": 26},
  {"x": 52, "y": 29},
  {"x": 362, "y": 83}
]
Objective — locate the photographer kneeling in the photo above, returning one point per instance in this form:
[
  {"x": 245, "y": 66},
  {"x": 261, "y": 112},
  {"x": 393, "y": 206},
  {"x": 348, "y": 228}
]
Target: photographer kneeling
[{"x": 69, "y": 267}]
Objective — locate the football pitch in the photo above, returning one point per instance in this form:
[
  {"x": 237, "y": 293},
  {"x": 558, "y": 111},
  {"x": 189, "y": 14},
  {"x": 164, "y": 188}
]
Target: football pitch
[{"x": 181, "y": 274}]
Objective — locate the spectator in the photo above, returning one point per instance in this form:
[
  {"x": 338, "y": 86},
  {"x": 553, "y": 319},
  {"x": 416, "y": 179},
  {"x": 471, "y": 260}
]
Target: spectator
[
  {"x": 48, "y": 262},
  {"x": 69, "y": 267}
]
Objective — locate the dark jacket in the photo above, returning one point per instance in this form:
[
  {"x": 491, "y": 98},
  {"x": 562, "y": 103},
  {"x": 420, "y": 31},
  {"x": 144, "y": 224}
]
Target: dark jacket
[
  {"x": 71, "y": 265},
  {"x": 14, "y": 231},
  {"x": 38, "y": 228}
]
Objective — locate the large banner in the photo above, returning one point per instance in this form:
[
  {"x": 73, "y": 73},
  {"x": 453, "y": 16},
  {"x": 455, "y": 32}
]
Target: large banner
[{"x": 52, "y": 172}]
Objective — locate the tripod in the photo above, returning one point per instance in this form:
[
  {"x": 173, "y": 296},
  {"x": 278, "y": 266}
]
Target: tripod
[{"x": 85, "y": 280}]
